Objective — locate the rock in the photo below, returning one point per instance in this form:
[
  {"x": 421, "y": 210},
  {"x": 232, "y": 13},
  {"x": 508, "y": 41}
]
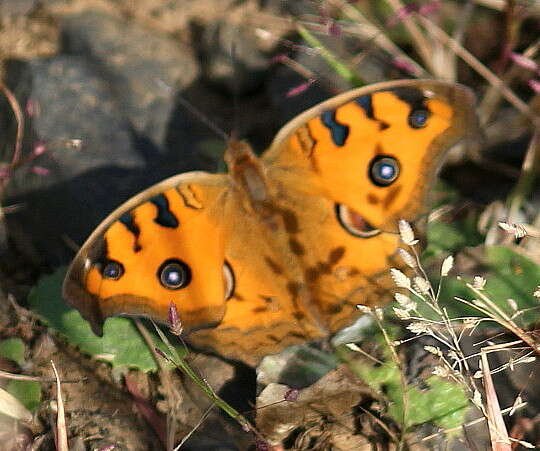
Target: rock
[
  {"x": 99, "y": 115},
  {"x": 142, "y": 66},
  {"x": 75, "y": 121},
  {"x": 94, "y": 157}
]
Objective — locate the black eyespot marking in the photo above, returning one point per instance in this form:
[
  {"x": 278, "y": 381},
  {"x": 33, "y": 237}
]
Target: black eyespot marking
[
  {"x": 174, "y": 274},
  {"x": 112, "y": 269},
  {"x": 418, "y": 118},
  {"x": 416, "y": 99},
  {"x": 383, "y": 170}
]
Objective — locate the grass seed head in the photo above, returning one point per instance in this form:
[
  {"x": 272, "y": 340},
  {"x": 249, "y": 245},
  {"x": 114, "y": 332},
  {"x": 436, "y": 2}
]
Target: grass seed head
[
  {"x": 447, "y": 265},
  {"x": 406, "y": 233},
  {"x": 422, "y": 285},
  {"x": 407, "y": 258},
  {"x": 479, "y": 283},
  {"x": 400, "y": 279}
]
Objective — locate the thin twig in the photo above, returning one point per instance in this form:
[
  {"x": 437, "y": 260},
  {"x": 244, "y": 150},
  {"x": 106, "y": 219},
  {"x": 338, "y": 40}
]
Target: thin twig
[
  {"x": 22, "y": 377},
  {"x": 164, "y": 372},
  {"x": 61, "y": 429},
  {"x": 470, "y": 423},
  {"x": 492, "y": 97},
  {"x": 420, "y": 42},
  {"x": 194, "y": 428},
  {"x": 458, "y": 35},
  {"x": 377, "y": 35},
  {"x": 529, "y": 172},
  {"x": 532, "y": 7},
  {"x": 341, "y": 69},
  {"x": 480, "y": 68},
  {"x": 19, "y": 117},
  {"x": 496, "y": 426},
  {"x": 402, "y": 379}
]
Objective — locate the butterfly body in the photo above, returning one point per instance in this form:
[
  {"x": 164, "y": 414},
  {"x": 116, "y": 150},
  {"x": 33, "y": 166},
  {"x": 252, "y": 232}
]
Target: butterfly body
[{"x": 282, "y": 248}]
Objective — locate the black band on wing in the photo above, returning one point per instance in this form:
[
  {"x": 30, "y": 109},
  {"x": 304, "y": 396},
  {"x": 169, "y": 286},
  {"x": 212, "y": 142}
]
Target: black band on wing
[
  {"x": 165, "y": 217},
  {"x": 128, "y": 220},
  {"x": 340, "y": 132},
  {"x": 366, "y": 104}
]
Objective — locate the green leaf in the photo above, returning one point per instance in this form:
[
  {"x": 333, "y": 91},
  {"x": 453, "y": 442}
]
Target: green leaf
[
  {"x": 27, "y": 392},
  {"x": 13, "y": 349},
  {"x": 509, "y": 275},
  {"x": 445, "y": 237},
  {"x": 121, "y": 344},
  {"x": 444, "y": 403}
]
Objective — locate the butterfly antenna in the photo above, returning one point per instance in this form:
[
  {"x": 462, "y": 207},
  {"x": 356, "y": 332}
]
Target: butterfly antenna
[{"x": 204, "y": 119}]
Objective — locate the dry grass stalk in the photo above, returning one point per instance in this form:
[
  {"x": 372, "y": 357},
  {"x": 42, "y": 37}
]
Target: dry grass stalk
[
  {"x": 376, "y": 35},
  {"x": 61, "y": 429},
  {"x": 480, "y": 68},
  {"x": 497, "y": 429}
]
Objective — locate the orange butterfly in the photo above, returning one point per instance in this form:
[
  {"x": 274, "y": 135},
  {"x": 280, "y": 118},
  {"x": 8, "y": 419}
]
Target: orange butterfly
[{"x": 282, "y": 248}]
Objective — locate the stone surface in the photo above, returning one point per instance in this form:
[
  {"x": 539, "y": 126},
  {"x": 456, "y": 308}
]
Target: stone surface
[
  {"x": 143, "y": 67},
  {"x": 100, "y": 116}
]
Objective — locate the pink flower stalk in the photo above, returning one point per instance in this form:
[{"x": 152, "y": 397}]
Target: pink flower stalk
[
  {"x": 279, "y": 58},
  {"x": 5, "y": 172},
  {"x": 174, "y": 320},
  {"x": 403, "y": 65},
  {"x": 523, "y": 61},
  {"x": 333, "y": 28},
  {"x": 32, "y": 108},
  {"x": 429, "y": 8},
  {"x": 300, "y": 88},
  {"x": 534, "y": 85},
  {"x": 291, "y": 394},
  {"x": 424, "y": 10},
  {"x": 40, "y": 170}
]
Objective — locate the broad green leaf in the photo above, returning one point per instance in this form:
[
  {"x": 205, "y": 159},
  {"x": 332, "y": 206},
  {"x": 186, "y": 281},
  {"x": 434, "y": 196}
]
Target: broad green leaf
[
  {"x": 27, "y": 392},
  {"x": 121, "y": 344},
  {"x": 12, "y": 349},
  {"x": 443, "y": 403}
]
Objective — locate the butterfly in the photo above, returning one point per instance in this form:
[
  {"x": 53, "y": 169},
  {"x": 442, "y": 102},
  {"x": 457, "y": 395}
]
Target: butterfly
[{"x": 282, "y": 248}]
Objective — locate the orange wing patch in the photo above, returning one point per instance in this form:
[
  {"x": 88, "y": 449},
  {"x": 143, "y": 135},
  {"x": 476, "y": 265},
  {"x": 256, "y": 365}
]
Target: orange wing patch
[{"x": 166, "y": 228}]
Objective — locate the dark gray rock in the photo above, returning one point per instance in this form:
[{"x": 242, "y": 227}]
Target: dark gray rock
[
  {"x": 75, "y": 119},
  {"x": 144, "y": 68},
  {"x": 113, "y": 162}
]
